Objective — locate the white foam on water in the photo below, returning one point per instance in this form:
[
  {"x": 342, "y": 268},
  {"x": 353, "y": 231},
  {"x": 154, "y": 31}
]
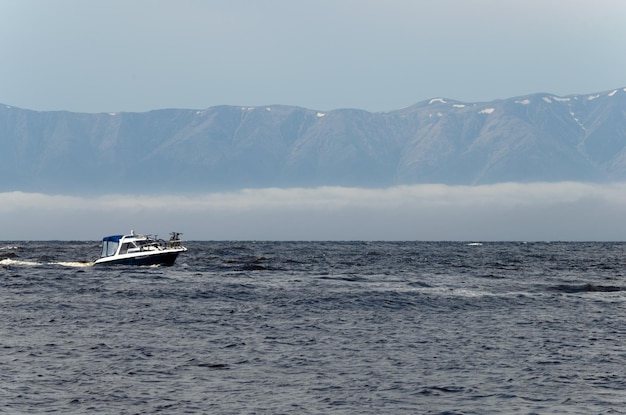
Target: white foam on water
[
  {"x": 73, "y": 264},
  {"x": 14, "y": 262}
]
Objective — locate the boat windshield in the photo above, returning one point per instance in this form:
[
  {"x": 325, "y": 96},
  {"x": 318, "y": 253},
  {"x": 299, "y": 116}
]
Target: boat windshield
[{"x": 109, "y": 245}]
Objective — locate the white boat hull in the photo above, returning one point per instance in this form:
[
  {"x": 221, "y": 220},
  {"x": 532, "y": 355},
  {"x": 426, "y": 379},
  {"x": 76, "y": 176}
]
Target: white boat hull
[{"x": 167, "y": 257}]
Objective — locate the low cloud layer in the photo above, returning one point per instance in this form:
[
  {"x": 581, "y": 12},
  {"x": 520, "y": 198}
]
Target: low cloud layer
[{"x": 520, "y": 212}]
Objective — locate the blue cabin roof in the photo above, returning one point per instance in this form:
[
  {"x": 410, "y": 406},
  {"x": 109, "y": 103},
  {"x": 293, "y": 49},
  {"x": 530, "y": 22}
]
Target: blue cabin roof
[{"x": 112, "y": 238}]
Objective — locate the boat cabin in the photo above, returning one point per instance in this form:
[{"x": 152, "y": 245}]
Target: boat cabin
[{"x": 129, "y": 244}]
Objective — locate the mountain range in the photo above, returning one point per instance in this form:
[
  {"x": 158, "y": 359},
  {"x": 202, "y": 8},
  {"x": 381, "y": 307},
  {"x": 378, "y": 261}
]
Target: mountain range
[{"x": 538, "y": 137}]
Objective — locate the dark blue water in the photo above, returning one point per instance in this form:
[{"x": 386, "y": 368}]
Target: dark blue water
[{"x": 316, "y": 327}]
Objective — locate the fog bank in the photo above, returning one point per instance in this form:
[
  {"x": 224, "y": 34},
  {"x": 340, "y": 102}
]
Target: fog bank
[{"x": 521, "y": 212}]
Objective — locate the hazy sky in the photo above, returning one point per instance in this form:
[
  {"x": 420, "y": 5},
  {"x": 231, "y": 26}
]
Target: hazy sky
[{"x": 120, "y": 55}]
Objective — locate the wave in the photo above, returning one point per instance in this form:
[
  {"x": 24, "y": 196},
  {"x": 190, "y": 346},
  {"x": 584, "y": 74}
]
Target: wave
[
  {"x": 581, "y": 288},
  {"x": 9, "y": 248}
]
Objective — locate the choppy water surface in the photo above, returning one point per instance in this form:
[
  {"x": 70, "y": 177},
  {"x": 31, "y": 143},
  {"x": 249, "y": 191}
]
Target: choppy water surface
[{"x": 316, "y": 327}]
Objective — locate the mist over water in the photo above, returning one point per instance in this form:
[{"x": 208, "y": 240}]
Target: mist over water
[
  {"x": 316, "y": 327},
  {"x": 564, "y": 211}
]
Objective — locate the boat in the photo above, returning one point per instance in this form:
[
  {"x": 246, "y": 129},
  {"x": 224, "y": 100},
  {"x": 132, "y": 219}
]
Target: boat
[{"x": 134, "y": 249}]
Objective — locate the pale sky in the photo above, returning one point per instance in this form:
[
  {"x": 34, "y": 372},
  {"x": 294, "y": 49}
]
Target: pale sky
[{"x": 139, "y": 55}]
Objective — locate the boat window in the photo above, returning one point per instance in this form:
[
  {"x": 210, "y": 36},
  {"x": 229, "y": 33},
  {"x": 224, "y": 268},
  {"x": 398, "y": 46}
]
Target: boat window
[
  {"x": 109, "y": 248},
  {"x": 124, "y": 248},
  {"x": 112, "y": 248}
]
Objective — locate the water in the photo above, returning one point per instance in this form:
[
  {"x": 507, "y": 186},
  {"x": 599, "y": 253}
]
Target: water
[{"x": 316, "y": 327}]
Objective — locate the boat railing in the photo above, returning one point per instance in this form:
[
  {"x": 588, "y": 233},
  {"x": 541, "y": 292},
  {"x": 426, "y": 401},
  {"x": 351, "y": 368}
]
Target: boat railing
[{"x": 175, "y": 241}]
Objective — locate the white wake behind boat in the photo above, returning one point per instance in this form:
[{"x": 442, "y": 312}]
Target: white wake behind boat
[{"x": 134, "y": 249}]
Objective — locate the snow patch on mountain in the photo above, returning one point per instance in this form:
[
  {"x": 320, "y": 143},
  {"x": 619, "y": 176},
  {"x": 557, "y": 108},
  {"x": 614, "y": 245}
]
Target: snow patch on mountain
[{"x": 580, "y": 124}]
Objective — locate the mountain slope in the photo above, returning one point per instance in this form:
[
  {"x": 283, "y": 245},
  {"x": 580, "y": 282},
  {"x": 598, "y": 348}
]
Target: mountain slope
[{"x": 538, "y": 137}]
